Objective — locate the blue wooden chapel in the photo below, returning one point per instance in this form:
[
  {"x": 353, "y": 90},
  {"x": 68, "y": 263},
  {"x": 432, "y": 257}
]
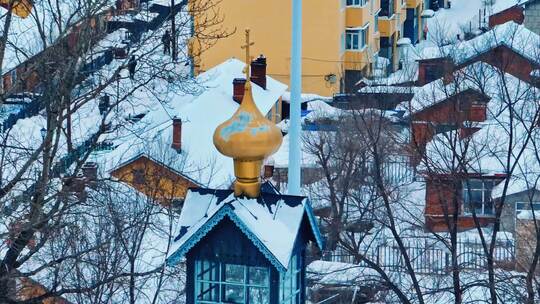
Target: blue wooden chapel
[{"x": 244, "y": 250}]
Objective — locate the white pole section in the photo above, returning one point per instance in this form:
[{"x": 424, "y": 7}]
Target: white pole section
[{"x": 294, "y": 174}]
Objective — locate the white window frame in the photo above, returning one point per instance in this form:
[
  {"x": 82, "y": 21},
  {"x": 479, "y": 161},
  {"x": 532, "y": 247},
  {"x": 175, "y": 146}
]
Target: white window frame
[
  {"x": 526, "y": 205},
  {"x": 376, "y": 21},
  {"x": 362, "y": 35},
  {"x": 486, "y": 196},
  {"x": 356, "y": 3}
]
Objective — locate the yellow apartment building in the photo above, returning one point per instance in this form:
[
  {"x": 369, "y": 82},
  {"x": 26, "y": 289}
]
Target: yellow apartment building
[
  {"x": 398, "y": 19},
  {"x": 342, "y": 39}
]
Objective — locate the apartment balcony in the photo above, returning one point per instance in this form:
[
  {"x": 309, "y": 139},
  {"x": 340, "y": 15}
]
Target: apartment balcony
[
  {"x": 357, "y": 16},
  {"x": 388, "y": 25},
  {"x": 356, "y": 59}
]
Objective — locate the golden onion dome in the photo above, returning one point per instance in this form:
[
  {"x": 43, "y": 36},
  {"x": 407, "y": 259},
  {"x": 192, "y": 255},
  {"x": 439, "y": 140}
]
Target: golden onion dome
[{"x": 248, "y": 137}]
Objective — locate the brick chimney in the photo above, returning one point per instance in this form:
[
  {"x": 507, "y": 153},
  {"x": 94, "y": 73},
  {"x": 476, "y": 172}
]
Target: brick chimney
[
  {"x": 258, "y": 71},
  {"x": 177, "y": 134},
  {"x": 268, "y": 169},
  {"x": 239, "y": 85},
  {"x": 74, "y": 184}
]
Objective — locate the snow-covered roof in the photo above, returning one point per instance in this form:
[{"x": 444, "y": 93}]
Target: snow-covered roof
[
  {"x": 528, "y": 215},
  {"x": 389, "y": 89},
  {"x": 272, "y": 222},
  {"x": 306, "y": 97},
  {"x": 510, "y": 34},
  {"x": 428, "y": 13},
  {"x": 407, "y": 74},
  {"x": 201, "y": 112},
  {"x": 437, "y": 91},
  {"x": 336, "y": 273},
  {"x": 502, "y": 5},
  {"x": 487, "y": 150},
  {"x": 527, "y": 2},
  {"x": 447, "y": 23},
  {"x": 519, "y": 183},
  {"x": 281, "y": 157}
]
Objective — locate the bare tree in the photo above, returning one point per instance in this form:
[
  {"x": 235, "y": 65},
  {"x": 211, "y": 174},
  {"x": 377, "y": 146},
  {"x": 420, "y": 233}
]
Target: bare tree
[
  {"x": 476, "y": 122},
  {"x": 87, "y": 84}
]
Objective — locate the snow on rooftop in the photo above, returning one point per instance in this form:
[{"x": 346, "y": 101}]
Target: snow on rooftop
[
  {"x": 25, "y": 40},
  {"x": 407, "y": 74},
  {"x": 510, "y": 34},
  {"x": 486, "y": 151},
  {"x": 522, "y": 182},
  {"x": 524, "y": 2},
  {"x": 309, "y": 160},
  {"x": 447, "y": 23},
  {"x": 502, "y": 5},
  {"x": 528, "y": 215},
  {"x": 480, "y": 77},
  {"x": 273, "y": 219},
  {"x": 326, "y": 272},
  {"x": 305, "y": 97},
  {"x": 390, "y": 89},
  {"x": 201, "y": 112},
  {"x": 321, "y": 109}
]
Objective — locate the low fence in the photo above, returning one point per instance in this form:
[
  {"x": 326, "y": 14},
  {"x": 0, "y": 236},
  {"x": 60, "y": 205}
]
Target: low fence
[
  {"x": 396, "y": 170},
  {"x": 428, "y": 256}
]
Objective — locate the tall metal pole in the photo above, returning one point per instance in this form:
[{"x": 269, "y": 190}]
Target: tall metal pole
[{"x": 295, "y": 151}]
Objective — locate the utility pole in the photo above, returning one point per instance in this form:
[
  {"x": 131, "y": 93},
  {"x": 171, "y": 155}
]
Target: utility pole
[
  {"x": 173, "y": 32},
  {"x": 295, "y": 151}
]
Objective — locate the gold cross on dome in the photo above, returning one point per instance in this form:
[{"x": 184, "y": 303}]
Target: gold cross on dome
[{"x": 248, "y": 57}]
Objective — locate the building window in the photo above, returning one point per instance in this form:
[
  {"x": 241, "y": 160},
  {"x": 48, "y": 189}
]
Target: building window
[
  {"x": 355, "y": 39},
  {"x": 217, "y": 282},
  {"x": 526, "y": 206},
  {"x": 433, "y": 71},
  {"x": 477, "y": 196},
  {"x": 387, "y": 8},
  {"x": 290, "y": 282},
  {"x": 139, "y": 176},
  {"x": 356, "y": 2}
]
